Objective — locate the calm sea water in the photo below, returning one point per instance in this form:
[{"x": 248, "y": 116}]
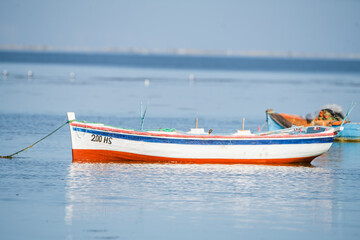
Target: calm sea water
[{"x": 43, "y": 195}]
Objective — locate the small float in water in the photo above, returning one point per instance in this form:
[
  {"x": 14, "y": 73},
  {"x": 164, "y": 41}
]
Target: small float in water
[
  {"x": 96, "y": 142},
  {"x": 328, "y": 115}
]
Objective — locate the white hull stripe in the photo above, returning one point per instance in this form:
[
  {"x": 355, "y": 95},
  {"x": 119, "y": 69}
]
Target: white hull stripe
[{"x": 204, "y": 141}]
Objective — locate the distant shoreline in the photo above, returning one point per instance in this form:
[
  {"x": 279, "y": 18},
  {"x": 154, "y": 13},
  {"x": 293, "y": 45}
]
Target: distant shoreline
[
  {"x": 178, "y": 51},
  {"x": 183, "y": 61}
]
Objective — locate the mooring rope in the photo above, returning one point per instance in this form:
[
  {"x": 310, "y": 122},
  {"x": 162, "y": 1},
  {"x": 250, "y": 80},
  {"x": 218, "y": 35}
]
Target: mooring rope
[
  {"x": 11, "y": 155},
  {"x": 353, "y": 104}
]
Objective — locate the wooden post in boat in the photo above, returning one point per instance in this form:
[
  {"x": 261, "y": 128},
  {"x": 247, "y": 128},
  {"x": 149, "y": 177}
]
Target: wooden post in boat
[
  {"x": 196, "y": 123},
  {"x": 243, "y": 124}
]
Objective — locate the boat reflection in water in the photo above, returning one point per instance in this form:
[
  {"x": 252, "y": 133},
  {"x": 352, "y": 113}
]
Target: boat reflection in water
[{"x": 141, "y": 200}]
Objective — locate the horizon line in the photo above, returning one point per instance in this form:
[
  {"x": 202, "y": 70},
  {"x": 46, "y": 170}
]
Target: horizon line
[{"x": 178, "y": 51}]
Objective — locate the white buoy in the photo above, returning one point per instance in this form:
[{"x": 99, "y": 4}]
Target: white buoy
[
  {"x": 147, "y": 82},
  {"x": 72, "y": 76},
  {"x": 192, "y": 78},
  {"x": 30, "y": 74},
  {"x": 5, "y": 73}
]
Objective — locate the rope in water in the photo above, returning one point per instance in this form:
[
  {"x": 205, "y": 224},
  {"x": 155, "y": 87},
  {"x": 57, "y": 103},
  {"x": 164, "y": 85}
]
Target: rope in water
[{"x": 11, "y": 155}]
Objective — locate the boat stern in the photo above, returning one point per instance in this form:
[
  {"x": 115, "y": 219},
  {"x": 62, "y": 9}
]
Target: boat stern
[{"x": 71, "y": 118}]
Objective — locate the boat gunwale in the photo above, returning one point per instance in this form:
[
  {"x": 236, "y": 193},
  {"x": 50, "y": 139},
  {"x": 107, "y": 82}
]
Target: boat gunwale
[{"x": 167, "y": 135}]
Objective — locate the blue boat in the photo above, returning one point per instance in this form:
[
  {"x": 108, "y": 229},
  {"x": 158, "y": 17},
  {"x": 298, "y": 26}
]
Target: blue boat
[{"x": 327, "y": 116}]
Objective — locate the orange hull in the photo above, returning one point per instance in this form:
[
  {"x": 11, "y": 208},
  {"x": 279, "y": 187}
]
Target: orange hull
[{"x": 106, "y": 156}]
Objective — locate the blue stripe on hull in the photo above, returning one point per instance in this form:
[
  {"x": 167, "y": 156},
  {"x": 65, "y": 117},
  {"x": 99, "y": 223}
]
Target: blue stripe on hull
[{"x": 206, "y": 141}]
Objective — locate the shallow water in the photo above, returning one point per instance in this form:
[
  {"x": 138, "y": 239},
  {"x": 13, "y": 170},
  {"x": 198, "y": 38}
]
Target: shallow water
[{"x": 44, "y": 196}]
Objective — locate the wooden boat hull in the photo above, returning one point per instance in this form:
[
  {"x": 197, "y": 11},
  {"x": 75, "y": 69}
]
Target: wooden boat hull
[{"x": 100, "y": 143}]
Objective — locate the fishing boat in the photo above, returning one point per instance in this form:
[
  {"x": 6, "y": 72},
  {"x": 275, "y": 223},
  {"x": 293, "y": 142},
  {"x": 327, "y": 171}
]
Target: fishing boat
[
  {"x": 328, "y": 115},
  {"x": 96, "y": 142}
]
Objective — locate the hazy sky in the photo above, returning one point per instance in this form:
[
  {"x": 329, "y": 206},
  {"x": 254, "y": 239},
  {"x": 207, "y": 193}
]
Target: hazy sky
[{"x": 301, "y": 26}]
